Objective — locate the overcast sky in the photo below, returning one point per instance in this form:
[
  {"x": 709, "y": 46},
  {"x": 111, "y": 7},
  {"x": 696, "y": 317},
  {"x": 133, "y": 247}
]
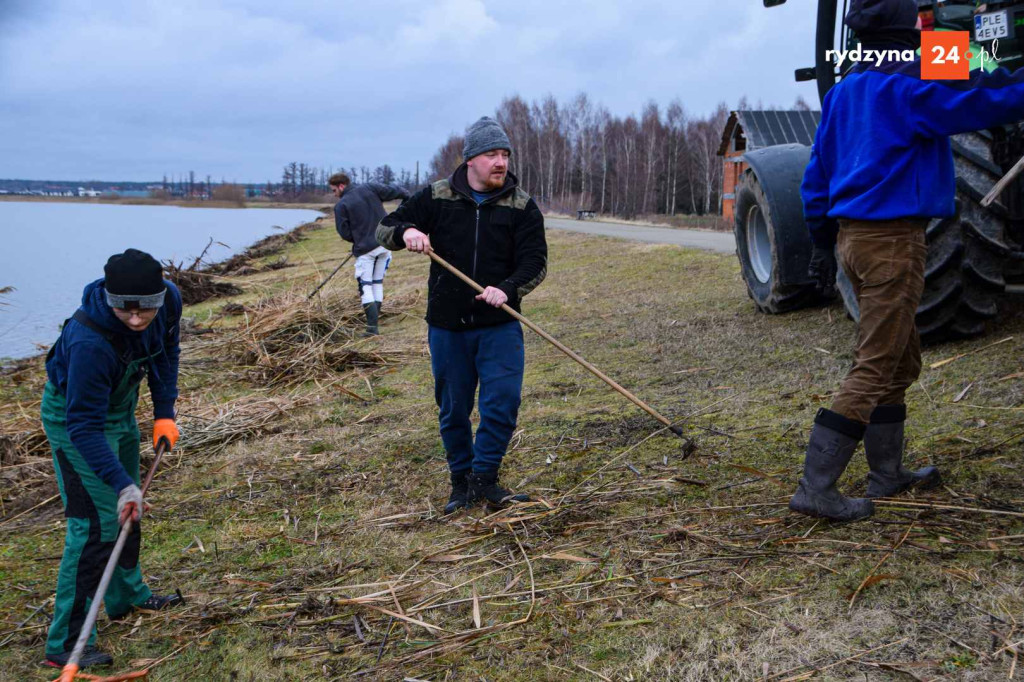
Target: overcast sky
[{"x": 133, "y": 89}]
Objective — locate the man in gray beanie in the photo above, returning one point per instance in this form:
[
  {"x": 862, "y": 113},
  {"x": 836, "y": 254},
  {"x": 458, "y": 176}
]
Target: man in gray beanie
[
  {"x": 484, "y": 224},
  {"x": 484, "y": 136}
]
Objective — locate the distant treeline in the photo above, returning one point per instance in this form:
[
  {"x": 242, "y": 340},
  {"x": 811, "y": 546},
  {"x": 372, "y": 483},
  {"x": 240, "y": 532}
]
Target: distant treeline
[
  {"x": 300, "y": 182},
  {"x": 303, "y": 182},
  {"x": 576, "y": 155}
]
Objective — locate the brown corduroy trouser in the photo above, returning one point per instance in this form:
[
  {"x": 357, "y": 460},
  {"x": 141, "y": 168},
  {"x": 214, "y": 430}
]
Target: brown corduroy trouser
[{"x": 885, "y": 262}]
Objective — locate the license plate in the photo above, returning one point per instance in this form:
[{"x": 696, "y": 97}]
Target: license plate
[{"x": 991, "y": 26}]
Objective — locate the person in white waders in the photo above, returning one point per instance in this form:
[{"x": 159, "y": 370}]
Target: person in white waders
[{"x": 359, "y": 209}]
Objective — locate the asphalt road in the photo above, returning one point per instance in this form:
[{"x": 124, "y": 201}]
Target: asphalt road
[{"x": 722, "y": 242}]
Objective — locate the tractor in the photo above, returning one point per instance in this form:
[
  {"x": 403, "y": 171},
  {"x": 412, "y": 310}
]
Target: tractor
[{"x": 973, "y": 257}]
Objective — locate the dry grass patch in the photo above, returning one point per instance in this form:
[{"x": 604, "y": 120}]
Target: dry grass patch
[{"x": 315, "y": 550}]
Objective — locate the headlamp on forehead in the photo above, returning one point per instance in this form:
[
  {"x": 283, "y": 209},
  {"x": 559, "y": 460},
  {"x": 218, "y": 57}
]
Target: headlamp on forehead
[
  {"x": 135, "y": 301},
  {"x": 134, "y": 280}
]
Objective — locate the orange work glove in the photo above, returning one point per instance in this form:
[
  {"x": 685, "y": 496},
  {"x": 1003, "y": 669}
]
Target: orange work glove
[{"x": 167, "y": 430}]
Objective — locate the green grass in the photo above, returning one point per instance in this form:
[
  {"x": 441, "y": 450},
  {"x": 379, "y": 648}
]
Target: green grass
[{"x": 634, "y": 576}]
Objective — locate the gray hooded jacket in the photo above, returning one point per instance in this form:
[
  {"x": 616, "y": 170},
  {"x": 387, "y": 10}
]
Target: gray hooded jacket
[{"x": 360, "y": 209}]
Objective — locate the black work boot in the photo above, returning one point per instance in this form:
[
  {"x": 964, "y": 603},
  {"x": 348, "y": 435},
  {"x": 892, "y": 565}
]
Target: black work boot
[
  {"x": 91, "y": 656},
  {"x": 832, "y": 442},
  {"x": 161, "y": 602},
  {"x": 484, "y": 486},
  {"x": 155, "y": 602},
  {"x": 883, "y": 445},
  {"x": 371, "y": 319},
  {"x": 459, "y": 499}
]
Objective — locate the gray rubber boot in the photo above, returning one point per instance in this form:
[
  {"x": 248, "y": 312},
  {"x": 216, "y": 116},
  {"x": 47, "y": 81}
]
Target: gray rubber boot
[
  {"x": 371, "y": 319},
  {"x": 883, "y": 445},
  {"x": 459, "y": 499},
  {"x": 832, "y": 443}
]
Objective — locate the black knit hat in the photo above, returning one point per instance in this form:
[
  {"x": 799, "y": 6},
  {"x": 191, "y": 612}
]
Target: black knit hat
[
  {"x": 134, "y": 279},
  {"x": 884, "y": 20}
]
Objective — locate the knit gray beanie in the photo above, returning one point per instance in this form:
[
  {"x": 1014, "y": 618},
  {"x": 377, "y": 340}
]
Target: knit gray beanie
[{"x": 483, "y": 136}]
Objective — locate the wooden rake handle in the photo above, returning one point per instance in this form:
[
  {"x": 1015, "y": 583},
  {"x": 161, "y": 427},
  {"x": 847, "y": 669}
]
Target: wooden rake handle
[
  {"x": 998, "y": 188},
  {"x": 328, "y": 279},
  {"x": 565, "y": 349}
]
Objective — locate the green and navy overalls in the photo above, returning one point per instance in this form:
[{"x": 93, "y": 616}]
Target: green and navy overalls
[{"x": 90, "y": 503}]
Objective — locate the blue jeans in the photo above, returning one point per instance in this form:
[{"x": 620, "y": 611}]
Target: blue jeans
[{"x": 491, "y": 357}]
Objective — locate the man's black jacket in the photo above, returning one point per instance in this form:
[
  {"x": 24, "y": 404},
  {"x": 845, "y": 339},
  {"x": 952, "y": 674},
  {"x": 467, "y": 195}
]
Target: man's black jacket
[
  {"x": 359, "y": 210},
  {"x": 499, "y": 243}
]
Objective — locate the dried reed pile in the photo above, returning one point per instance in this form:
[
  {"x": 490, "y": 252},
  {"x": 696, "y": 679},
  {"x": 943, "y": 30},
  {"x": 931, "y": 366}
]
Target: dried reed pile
[
  {"x": 26, "y": 469},
  {"x": 201, "y": 281},
  {"x": 24, "y": 450},
  {"x": 197, "y": 285},
  {"x": 196, "y": 282},
  {"x": 285, "y": 340},
  {"x": 254, "y": 267},
  {"x": 242, "y": 263},
  {"x": 211, "y": 428}
]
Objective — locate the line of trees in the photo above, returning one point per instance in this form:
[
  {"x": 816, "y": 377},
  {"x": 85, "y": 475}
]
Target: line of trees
[
  {"x": 180, "y": 186},
  {"x": 301, "y": 181},
  {"x": 576, "y": 155}
]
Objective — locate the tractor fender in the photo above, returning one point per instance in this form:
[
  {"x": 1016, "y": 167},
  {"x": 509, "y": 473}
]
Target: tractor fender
[{"x": 780, "y": 170}]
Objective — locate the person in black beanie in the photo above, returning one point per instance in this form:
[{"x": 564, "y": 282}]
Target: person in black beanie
[
  {"x": 483, "y": 223},
  {"x": 126, "y": 329},
  {"x": 880, "y": 169}
]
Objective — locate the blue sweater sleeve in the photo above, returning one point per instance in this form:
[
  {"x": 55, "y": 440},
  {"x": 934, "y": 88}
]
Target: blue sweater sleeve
[
  {"x": 814, "y": 190},
  {"x": 163, "y": 383},
  {"x": 986, "y": 100},
  {"x": 91, "y": 367}
]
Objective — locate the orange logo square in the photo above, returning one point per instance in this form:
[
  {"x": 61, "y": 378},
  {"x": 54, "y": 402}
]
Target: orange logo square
[{"x": 945, "y": 55}]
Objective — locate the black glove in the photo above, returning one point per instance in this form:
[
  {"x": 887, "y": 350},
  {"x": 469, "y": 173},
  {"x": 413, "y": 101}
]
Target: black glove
[{"x": 822, "y": 270}]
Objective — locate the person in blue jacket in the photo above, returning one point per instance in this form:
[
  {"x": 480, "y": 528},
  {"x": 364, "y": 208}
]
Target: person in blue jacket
[
  {"x": 881, "y": 167},
  {"x": 126, "y": 329}
]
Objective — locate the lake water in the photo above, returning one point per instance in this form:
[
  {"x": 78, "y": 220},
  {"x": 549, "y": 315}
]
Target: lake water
[{"x": 50, "y": 251}]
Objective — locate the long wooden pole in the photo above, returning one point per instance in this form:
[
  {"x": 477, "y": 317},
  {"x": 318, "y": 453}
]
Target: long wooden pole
[
  {"x": 678, "y": 430},
  {"x": 313, "y": 293},
  {"x": 998, "y": 188},
  {"x": 70, "y": 668}
]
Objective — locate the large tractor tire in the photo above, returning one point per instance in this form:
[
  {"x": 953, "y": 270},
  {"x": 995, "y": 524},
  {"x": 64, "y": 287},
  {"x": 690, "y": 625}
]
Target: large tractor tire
[
  {"x": 771, "y": 238},
  {"x": 1007, "y": 148},
  {"x": 966, "y": 253}
]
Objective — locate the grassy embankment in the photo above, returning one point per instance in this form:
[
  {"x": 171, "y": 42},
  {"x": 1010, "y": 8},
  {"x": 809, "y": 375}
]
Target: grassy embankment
[{"x": 295, "y": 548}]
